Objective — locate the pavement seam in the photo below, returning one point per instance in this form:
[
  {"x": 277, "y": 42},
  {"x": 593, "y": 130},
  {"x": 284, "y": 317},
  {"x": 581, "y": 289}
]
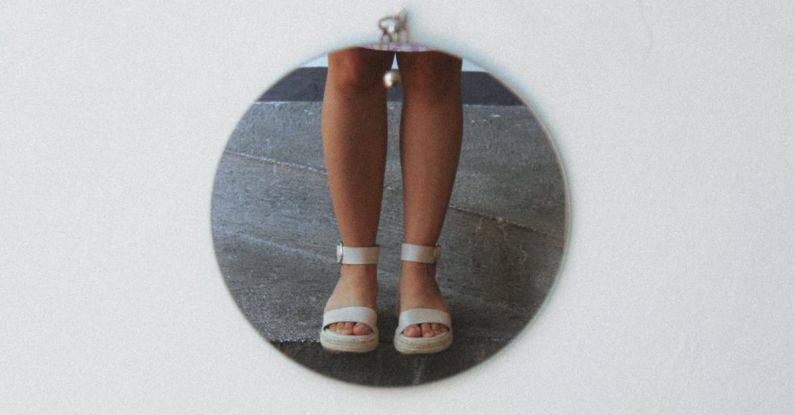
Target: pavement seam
[{"x": 392, "y": 104}]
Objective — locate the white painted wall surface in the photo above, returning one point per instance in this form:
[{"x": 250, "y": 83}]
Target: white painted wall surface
[{"x": 674, "y": 121}]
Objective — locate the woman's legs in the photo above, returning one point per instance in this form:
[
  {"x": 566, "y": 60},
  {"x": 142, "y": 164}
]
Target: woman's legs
[
  {"x": 354, "y": 127},
  {"x": 430, "y": 145}
]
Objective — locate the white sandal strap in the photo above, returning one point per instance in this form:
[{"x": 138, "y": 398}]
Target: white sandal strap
[
  {"x": 423, "y": 315},
  {"x": 357, "y": 255},
  {"x": 420, "y": 253},
  {"x": 364, "y": 315}
]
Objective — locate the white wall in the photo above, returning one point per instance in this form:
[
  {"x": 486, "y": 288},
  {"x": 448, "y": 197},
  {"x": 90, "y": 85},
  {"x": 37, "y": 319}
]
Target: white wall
[{"x": 673, "y": 120}]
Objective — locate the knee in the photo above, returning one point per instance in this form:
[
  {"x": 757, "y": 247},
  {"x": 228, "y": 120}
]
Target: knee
[
  {"x": 433, "y": 78},
  {"x": 354, "y": 72}
]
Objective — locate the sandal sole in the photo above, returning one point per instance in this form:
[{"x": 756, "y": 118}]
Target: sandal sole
[
  {"x": 423, "y": 345},
  {"x": 343, "y": 343}
]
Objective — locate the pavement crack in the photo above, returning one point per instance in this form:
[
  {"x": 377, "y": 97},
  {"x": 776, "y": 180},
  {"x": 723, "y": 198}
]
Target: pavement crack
[
  {"x": 322, "y": 172},
  {"x": 253, "y": 239},
  {"x": 281, "y": 163},
  {"x": 500, "y": 220}
]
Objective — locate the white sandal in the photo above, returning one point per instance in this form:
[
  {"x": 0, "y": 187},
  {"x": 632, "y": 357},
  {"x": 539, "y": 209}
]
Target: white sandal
[
  {"x": 418, "y": 345},
  {"x": 336, "y": 342}
]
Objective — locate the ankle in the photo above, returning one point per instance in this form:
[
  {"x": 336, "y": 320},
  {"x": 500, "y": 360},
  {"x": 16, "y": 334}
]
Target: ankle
[
  {"x": 417, "y": 270},
  {"x": 363, "y": 271}
]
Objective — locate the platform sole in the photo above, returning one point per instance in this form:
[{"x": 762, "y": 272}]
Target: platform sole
[
  {"x": 344, "y": 343},
  {"x": 423, "y": 345}
]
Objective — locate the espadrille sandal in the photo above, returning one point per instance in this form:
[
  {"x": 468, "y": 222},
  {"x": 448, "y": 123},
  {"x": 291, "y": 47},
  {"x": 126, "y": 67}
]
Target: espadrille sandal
[
  {"x": 336, "y": 342},
  {"x": 422, "y": 345}
]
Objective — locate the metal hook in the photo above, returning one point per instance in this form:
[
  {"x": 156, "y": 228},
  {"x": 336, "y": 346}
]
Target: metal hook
[{"x": 394, "y": 28}]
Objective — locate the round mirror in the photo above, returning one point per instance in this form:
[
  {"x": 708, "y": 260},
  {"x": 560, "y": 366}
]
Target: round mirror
[{"x": 389, "y": 216}]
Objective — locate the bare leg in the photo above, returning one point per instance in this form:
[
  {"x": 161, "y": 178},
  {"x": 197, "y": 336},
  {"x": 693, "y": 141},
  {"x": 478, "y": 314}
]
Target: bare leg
[
  {"x": 430, "y": 146},
  {"x": 354, "y": 127}
]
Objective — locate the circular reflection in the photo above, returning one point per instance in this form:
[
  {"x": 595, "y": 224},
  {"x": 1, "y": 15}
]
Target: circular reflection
[{"x": 448, "y": 155}]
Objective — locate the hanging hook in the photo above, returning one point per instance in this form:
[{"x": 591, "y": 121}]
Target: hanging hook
[{"x": 393, "y": 30}]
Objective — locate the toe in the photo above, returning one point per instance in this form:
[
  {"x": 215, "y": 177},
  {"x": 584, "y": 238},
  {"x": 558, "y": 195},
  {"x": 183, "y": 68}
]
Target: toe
[
  {"x": 412, "y": 331},
  {"x": 332, "y": 327},
  {"x": 347, "y": 328},
  {"x": 361, "y": 329},
  {"x": 426, "y": 330},
  {"x": 436, "y": 327}
]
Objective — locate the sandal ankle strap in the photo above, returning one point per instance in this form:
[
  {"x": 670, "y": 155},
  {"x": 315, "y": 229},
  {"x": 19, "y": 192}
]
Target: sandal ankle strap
[
  {"x": 420, "y": 253},
  {"x": 357, "y": 255}
]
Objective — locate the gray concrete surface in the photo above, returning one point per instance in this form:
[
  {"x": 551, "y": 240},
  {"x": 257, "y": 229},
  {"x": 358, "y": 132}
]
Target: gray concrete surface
[{"x": 275, "y": 236}]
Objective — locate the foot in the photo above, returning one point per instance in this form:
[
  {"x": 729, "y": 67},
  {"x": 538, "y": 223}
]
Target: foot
[
  {"x": 357, "y": 286},
  {"x": 418, "y": 289}
]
